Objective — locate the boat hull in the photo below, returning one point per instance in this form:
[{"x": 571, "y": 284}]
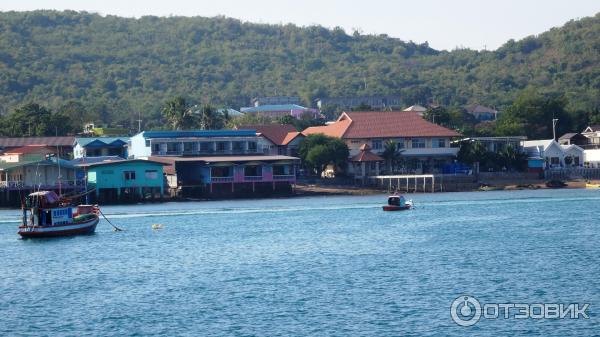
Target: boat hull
[
  {"x": 390, "y": 208},
  {"x": 81, "y": 228},
  {"x": 592, "y": 186}
]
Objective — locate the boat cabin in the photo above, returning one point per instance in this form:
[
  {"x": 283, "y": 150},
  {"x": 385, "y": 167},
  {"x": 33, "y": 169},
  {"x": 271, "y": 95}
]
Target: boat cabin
[
  {"x": 396, "y": 200},
  {"x": 46, "y": 210}
]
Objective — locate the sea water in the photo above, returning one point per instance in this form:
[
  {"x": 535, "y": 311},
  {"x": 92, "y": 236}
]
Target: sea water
[{"x": 311, "y": 266}]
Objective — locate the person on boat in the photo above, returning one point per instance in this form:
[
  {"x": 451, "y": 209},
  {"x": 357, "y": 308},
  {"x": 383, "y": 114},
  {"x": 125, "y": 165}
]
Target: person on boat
[{"x": 397, "y": 200}]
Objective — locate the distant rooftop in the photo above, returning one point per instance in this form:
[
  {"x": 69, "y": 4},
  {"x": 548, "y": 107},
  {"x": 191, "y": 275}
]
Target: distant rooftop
[
  {"x": 102, "y": 140},
  {"x": 46, "y": 141},
  {"x": 416, "y": 108},
  {"x": 477, "y": 108},
  {"x": 198, "y": 133},
  {"x": 91, "y": 160},
  {"x": 275, "y": 107},
  {"x": 278, "y": 134}
]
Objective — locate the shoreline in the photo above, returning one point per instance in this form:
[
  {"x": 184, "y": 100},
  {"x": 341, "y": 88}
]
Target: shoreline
[
  {"x": 307, "y": 190},
  {"x": 319, "y": 189}
]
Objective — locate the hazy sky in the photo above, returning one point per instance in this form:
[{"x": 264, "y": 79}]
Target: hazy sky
[{"x": 447, "y": 24}]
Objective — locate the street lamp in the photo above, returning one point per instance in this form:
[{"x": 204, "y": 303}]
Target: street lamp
[{"x": 554, "y": 121}]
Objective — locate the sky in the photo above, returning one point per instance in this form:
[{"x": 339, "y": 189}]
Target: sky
[{"x": 444, "y": 24}]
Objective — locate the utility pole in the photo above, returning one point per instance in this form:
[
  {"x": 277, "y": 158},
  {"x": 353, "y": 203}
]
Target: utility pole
[
  {"x": 554, "y": 121},
  {"x": 139, "y": 122}
]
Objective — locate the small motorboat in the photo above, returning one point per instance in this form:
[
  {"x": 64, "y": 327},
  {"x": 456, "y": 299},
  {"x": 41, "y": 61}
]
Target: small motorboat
[
  {"x": 592, "y": 186},
  {"x": 397, "y": 203},
  {"x": 45, "y": 215}
]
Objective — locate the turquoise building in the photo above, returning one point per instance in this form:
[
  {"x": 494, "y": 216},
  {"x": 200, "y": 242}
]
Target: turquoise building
[{"x": 125, "y": 180}]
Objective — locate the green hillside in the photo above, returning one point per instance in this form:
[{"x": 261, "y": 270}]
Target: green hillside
[{"x": 119, "y": 68}]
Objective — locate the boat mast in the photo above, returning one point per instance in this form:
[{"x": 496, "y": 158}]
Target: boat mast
[{"x": 58, "y": 162}]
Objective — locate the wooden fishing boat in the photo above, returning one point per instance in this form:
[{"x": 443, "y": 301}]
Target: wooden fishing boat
[
  {"x": 397, "y": 203},
  {"x": 45, "y": 215}
]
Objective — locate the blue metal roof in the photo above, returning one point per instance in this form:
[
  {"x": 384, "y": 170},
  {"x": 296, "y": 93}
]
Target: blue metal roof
[
  {"x": 90, "y": 160},
  {"x": 198, "y": 133},
  {"x": 98, "y": 141},
  {"x": 276, "y": 107}
]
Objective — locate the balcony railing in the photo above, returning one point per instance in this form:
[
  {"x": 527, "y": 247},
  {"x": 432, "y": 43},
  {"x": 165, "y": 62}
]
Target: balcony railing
[
  {"x": 22, "y": 184},
  {"x": 284, "y": 177},
  {"x": 203, "y": 152},
  {"x": 253, "y": 178},
  {"x": 221, "y": 179}
]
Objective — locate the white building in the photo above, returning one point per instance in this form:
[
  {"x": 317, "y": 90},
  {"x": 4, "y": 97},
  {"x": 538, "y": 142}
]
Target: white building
[{"x": 554, "y": 154}]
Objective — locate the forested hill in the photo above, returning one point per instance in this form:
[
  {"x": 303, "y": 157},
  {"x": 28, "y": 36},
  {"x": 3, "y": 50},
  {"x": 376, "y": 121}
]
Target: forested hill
[{"x": 120, "y": 67}]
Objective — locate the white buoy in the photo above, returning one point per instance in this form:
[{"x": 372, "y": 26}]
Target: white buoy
[{"x": 157, "y": 226}]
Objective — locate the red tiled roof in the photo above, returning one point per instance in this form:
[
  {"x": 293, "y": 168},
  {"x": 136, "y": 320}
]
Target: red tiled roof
[
  {"x": 278, "y": 134},
  {"x": 366, "y": 155},
  {"x": 337, "y": 129},
  {"x": 31, "y": 149},
  {"x": 385, "y": 124},
  {"x": 47, "y": 141},
  {"x": 291, "y": 136},
  {"x": 381, "y": 124}
]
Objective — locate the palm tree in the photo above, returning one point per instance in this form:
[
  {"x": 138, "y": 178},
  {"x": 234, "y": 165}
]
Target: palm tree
[
  {"x": 513, "y": 158},
  {"x": 391, "y": 153},
  {"x": 210, "y": 119},
  {"x": 178, "y": 114}
]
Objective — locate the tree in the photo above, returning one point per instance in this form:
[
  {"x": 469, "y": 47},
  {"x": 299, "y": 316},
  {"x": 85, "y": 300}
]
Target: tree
[
  {"x": 178, "y": 114},
  {"x": 438, "y": 115},
  {"x": 249, "y": 119},
  {"x": 77, "y": 113},
  {"x": 471, "y": 152},
  {"x": 513, "y": 159},
  {"x": 209, "y": 118},
  {"x": 318, "y": 150},
  {"x": 286, "y": 119},
  {"x": 35, "y": 120},
  {"x": 391, "y": 153},
  {"x": 319, "y": 157},
  {"x": 535, "y": 112}
]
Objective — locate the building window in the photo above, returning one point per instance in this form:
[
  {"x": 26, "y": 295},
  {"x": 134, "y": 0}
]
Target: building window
[
  {"x": 355, "y": 141},
  {"x": 206, "y": 147},
  {"x": 438, "y": 142},
  {"x": 554, "y": 160},
  {"x": 115, "y": 152},
  {"x": 418, "y": 143},
  {"x": 221, "y": 171},
  {"x": 237, "y": 146},
  {"x": 129, "y": 175},
  {"x": 221, "y": 146},
  {"x": 376, "y": 144},
  {"x": 147, "y": 142},
  {"x": 281, "y": 170},
  {"x": 155, "y": 148},
  {"x": 188, "y": 147},
  {"x": 172, "y": 147},
  {"x": 253, "y": 171},
  {"x": 252, "y": 146},
  {"x": 399, "y": 143},
  {"x": 151, "y": 174}
]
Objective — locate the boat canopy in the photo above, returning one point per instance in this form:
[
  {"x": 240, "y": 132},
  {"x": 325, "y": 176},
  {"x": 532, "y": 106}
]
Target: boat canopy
[
  {"x": 395, "y": 200},
  {"x": 46, "y": 198}
]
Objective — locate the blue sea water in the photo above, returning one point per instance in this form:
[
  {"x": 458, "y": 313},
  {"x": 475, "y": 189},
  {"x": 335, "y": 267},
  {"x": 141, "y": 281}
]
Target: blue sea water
[{"x": 314, "y": 266}]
